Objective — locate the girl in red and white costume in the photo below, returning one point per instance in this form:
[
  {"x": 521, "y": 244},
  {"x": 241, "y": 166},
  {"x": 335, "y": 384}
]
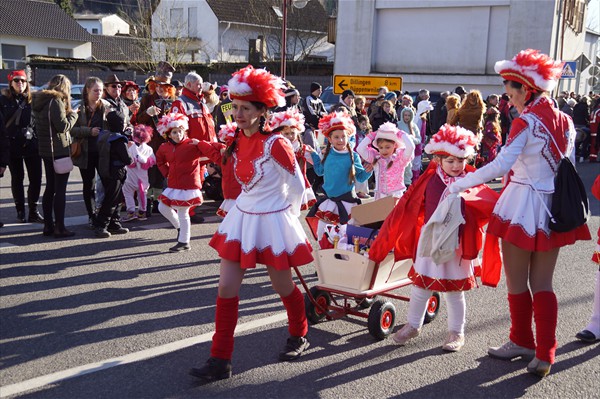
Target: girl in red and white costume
[
  {"x": 454, "y": 273},
  {"x": 592, "y": 332},
  {"x": 263, "y": 226},
  {"x": 530, "y": 249},
  {"x": 215, "y": 152},
  {"x": 290, "y": 124},
  {"x": 178, "y": 159}
]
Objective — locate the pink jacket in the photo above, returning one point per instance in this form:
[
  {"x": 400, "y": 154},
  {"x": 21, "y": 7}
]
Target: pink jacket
[{"x": 389, "y": 182}]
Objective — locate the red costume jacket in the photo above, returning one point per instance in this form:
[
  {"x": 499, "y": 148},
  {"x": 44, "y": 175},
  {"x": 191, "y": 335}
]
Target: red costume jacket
[
  {"x": 231, "y": 187},
  {"x": 402, "y": 228},
  {"x": 180, "y": 164}
]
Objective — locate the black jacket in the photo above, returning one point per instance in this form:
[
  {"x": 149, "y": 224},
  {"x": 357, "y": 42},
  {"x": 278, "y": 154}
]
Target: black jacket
[{"x": 16, "y": 113}]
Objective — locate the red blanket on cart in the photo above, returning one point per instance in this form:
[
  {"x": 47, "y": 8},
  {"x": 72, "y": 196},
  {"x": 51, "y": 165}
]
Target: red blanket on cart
[{"x": 402, "y": 228}]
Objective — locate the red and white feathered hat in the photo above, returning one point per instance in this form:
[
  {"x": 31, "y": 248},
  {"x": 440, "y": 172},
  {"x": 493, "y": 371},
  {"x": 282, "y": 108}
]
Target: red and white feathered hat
[
  {"x": 338, "y": 120},
  {"x": 452, "y": 140},
  {"x": 290, "y": 117},
  {"x": 170, "y": 121},
  {"x": 531, "y": 68},
  {"x": 249, "y": 84},
  {"x": 227, "y": 133},
  {"x": 389, "y": 131}
]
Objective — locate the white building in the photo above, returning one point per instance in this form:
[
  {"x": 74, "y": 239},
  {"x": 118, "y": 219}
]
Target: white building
[
  {"x": 102, "y": 24},
  {"x": 55, "y": 34},
  {"x": 224, "y": 30},
  {"x": 440, "y": 44}
]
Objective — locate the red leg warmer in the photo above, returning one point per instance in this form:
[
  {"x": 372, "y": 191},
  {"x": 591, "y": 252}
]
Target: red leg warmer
[
  {"x": 521, "y": 313},
  {"x": 226, "y": 317},
  {"x": 545, "y": 310},
  {"x": 294, "y": 305}
]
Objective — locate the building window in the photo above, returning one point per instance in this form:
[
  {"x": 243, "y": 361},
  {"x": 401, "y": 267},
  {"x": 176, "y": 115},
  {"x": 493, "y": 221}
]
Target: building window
[
  {"x": 574, "y": 12},
  {"x": 193, "y": 22},
  {"x": 176, "y": 17},
  {"x": 95, "y": 31},
  {"x": 13, "y": 57},
  {"x": 60, "y": 52}
]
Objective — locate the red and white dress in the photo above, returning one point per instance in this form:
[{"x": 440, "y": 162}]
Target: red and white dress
[
  {"x": 180, "y": 164},
  {"x": 263, "y": 226},
  {"x": 530, "y": 155}
]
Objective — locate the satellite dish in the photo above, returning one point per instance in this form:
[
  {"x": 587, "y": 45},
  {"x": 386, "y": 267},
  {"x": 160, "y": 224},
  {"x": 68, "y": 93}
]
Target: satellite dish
[{"x": 300, "y": 3}]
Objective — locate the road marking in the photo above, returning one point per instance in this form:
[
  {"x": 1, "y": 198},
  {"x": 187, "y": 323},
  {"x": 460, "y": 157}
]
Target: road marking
[{"x": 79, "y": 371}]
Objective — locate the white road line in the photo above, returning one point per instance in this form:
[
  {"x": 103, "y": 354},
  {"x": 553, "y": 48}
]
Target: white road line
[{"x": 53, "y": 378}]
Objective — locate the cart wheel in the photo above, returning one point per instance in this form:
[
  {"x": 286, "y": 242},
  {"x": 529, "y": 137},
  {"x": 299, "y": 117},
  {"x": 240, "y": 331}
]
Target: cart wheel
[
  {"x": 365, "y": 303},
  {"x": 433, "y": 307},
  {"x": 382, "y": 318},
  {"x": 313, "y": 313}
]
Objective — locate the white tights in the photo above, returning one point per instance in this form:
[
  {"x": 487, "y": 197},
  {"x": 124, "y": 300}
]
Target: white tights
[
  {"x": 455, "y": 302},
  {"x": 179, "y": 216}
]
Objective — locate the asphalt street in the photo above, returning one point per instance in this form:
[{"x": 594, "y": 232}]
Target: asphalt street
[{"x": 124, "y": 318}]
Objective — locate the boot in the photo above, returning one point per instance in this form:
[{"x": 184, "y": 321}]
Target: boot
[
  {"x": 60, "y": 231},
  {"x": 149, "y": 207},
  {"x": 214, "y": 369},
  {"x": 21, "y": 216},
  {"x": 48, "y": 228},
  {"x": 545, "y": 310}
]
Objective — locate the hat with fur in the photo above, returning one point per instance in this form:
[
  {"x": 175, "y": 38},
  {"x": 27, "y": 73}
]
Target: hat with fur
[
  {"x": 164, "y": 73},
  {"x": 338, "y": 120},
  {"x": 227, "y": 133},
  {"x": 290, "y": 117},
  {"x": 389, "y": 131},
  {"x": 531, "y": 68},
  {"x": 171, "y": 121},
  {"x": 424, "y": 106},
  {"x": 452, "y": 140},
  {"x": 258, "y": 85}
]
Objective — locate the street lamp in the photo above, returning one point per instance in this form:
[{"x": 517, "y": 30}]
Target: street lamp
[{"x": 286, "y": 3}]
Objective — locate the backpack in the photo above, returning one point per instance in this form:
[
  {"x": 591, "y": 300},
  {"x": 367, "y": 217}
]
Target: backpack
[{"x": 570, "y": 206}]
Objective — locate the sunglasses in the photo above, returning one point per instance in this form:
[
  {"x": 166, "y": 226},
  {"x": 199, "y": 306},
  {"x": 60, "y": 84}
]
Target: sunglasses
[
  {"x": 19, "y": 80},
  {"x": 115, "y": 86}
]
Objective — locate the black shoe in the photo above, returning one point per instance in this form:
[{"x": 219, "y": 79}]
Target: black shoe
[
  {"x": 101, "y": 232},
  {"x": 117, "y": 229},
  {"x": 587, "y": 336},
  {"x": 155, "y": 207},
  {"x": 148, "y": 208},
  {"x": 35, "y": 217},
  {"x": 294, "y": 347},
  {"x": 181, "y": 246},
  {"x": 92, "y": 222},
  {"x": 21, "y": 216},
  {"x": 63, "y": 233},
  {"x": 196, "y": 219},
  {"x": 214, "y": 369},
  {"x": 48, "y": 229}
]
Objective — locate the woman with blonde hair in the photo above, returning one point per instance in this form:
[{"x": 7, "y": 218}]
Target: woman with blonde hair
[
  {"x": 85, "y": 132},
  {"x": 54, "y": 119}
]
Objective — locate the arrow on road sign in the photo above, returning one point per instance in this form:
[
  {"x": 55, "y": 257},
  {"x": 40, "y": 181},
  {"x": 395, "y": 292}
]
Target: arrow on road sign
[{"x": 342, "y": 85}]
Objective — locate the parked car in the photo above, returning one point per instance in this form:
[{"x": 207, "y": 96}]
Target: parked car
[{"x": 329, "y": 99}]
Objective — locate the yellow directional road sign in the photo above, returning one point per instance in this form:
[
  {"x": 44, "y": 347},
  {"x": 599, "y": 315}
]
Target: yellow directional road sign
[{"x": 365, "y": 85}]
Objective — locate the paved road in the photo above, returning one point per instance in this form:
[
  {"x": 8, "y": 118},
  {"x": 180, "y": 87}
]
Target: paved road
[{"x": 123, "y": 318}]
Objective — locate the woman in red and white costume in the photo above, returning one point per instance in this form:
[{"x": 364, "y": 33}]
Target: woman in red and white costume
[
  {"x": 530, "y": 249},
  {"x": 263, "y": 226},
  {"x": 290, "y": 124},
  {"x": 215, "y": 151}
]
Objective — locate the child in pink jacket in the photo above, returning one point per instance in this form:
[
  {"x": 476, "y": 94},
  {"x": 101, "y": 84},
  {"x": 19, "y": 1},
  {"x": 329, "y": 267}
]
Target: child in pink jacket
[{"x": 389, "y": 150}]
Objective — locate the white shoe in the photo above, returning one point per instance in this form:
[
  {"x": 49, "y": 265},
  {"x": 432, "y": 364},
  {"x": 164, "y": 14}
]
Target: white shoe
[
  {"x": 405, "y": 334},
  {"x": 510, "y": 350},
  {"x": 454, "y": 342}
]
